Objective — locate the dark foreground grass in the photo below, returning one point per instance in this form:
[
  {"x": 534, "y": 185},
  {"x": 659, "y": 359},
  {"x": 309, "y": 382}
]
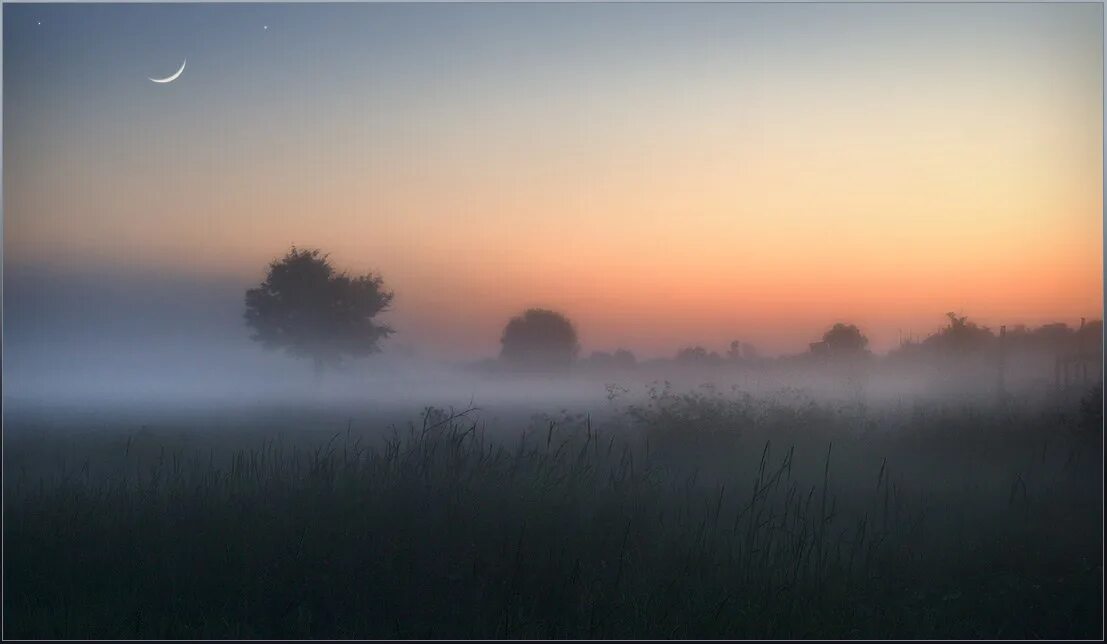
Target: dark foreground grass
[{"x": 699, "y": 517}]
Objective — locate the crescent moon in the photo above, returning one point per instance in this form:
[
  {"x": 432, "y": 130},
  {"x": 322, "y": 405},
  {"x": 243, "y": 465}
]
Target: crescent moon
[{"x": 170, "y": 79}]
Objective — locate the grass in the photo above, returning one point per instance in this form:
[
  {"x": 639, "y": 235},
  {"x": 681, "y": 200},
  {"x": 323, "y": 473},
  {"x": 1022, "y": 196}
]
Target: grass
[{"x": 696, "y": 515}]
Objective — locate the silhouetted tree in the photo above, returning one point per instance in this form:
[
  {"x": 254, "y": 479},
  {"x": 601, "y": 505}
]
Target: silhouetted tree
[
  {"x": 1054, "y": 335},
  {"x": 697, "y": 355},
  {"x": 624, "y": 359},
  {"x": 741, "y": 351},
  {"x": 1090, "y": 337},
  {"x": 845, "y": 339},
  {"x": 1057, "y": 338},
  {"x": 960, "y": 336},
  {"x": 310, "y": 311},
  {"x": 539, "y": 339}
]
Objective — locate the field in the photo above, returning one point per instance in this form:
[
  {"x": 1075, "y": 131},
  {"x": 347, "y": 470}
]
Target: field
[{"x": 695, "y": 514}]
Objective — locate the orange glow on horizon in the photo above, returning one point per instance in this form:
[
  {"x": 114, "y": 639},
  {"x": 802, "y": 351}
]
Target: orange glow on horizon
[{"x": 745, "y": 196}]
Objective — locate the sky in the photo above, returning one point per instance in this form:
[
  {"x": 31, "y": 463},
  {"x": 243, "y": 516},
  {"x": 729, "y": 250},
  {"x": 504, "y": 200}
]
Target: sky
[{"x": 663, "y": 174}]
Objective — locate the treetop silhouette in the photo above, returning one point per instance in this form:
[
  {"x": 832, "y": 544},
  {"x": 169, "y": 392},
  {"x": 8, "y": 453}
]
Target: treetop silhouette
[
  {"x": 311, "y": 311},
  {"x": 539, "y": 339}
]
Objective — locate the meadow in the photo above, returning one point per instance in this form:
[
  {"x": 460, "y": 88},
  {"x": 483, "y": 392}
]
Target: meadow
[{"x": 691, "y": 513}]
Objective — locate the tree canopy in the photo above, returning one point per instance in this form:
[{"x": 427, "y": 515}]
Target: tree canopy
[
  {"x": 311, "y": 311},
  {"x": 697, "y": 355},
  {"x": 539, "y": 339},
  {"x": 961, "y": 336},
  {"x": 845, "y": 338}
]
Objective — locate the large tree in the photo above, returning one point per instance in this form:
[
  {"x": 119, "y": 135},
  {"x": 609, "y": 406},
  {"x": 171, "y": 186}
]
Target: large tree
[
  {"x": 311, "y": 311},
  {"x": 539, "y": 339}
]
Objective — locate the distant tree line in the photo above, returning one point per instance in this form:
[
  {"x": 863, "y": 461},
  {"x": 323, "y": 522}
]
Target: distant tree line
[
  {"x": 840, "y": 343},
  {"x": 310, "y": 310},
  {"x": 962, "y": 337}
]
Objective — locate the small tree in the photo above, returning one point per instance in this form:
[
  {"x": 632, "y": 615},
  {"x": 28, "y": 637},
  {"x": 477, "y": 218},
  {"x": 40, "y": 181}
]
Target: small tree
[
  {"x": 539, "y": 339},
  {"x": 310, "y": 311},
  {"x": 845, "y": 339},
  {"x": 961, "y": 337},
  {"x": 624, "y": 359}
]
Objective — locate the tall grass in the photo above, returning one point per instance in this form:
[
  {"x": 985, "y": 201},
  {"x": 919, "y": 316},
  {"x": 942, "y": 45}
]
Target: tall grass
[{"x": 787, "y": 520}]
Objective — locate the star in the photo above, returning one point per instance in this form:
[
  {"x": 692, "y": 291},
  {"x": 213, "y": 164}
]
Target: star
[{"x": 265, "y": 27}]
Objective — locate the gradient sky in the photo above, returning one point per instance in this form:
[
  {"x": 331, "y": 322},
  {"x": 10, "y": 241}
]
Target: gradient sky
[{"x": 664, "y": 174}]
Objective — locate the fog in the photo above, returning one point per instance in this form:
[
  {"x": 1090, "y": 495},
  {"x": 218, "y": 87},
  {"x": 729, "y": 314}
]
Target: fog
[
  {"x": 103, "y": 339},
  {"x": 140, "y": 407},
  {"x": 134, "y": 340},
  {"x": 552, "y": 321}
]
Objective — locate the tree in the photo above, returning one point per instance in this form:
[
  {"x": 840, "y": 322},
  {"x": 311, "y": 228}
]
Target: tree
[
  {"x": 844, "y": 339},
  {"x": 741, "y": 351},
  {"x": 960, "y": 337},
  {"x": 539, "y": 339},
  {"x": 310, "y": 311},
  {"x": 1090, "y": 337},
  {"x": 697, "y": 355},
  {"x": 624, "y": 359}
]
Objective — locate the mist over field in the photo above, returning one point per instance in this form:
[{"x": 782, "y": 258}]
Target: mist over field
[
  {"x": 553, "y": 321},
  {"x": 104, "y": 338},
  {"x": 948, "y": 487}
]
